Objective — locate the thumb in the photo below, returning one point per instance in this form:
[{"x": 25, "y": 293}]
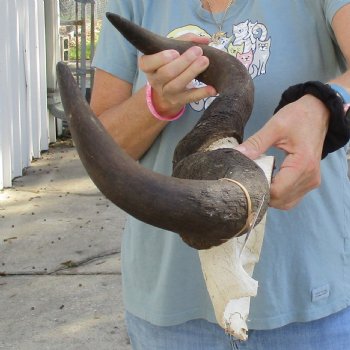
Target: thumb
[{"x": 259, "y": 143}]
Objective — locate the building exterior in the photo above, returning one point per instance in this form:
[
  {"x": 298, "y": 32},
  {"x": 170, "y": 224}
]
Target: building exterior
[
  {"x": 24, "y": 120},
  {"x": 30, "y": 48}
]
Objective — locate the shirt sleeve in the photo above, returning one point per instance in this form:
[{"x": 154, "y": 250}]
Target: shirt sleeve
[
  {"x": 114, "y": 54},
  {"x": 330, "y": 8}
]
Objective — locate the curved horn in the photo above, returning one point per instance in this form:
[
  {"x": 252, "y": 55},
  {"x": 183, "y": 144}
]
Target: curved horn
[
  {"x": 228, "y": 114},
  {"x": 204, "y": 212}
]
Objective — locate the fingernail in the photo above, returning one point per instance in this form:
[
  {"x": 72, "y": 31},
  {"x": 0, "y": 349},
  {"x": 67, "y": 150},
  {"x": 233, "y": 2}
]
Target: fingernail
[
  {"x": 195, "y": 51},
  {"x": 248, "y": 152},
  {"x": 171, "y": 54},
  {"x": 241, "y": 149},
  {"x": 203, "y": 61},
  {"x": 213, "y": 92}
]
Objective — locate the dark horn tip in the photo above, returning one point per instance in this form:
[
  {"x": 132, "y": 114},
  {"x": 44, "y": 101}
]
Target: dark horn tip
[
  {"x": 112, "y": 17},
  {"x": 61, "y": 68},
  {"x": 69, "y": 90},
  {"x": 64, "y": 76}
]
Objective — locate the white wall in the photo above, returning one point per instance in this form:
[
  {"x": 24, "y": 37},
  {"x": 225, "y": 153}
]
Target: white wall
[{"x": 23, "y": 101}]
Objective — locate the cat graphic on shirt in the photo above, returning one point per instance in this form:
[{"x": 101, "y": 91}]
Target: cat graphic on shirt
[
  {"x": 256, "y": 46},
  {"x": 248, "y": 42}
]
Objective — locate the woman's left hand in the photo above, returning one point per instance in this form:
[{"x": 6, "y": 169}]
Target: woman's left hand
[{"x": 299, "y": 129}]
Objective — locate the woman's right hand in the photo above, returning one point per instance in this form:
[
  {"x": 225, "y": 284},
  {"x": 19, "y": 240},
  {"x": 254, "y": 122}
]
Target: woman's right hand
[{"x": 170, "y": 73}]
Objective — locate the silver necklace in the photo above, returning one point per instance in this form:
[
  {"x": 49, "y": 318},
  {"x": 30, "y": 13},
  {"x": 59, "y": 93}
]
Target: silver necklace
[{"x": 220, "y": 33}]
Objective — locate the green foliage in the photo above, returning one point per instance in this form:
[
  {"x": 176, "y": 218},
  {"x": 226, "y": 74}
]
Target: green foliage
[
  {"x": 72, "y": 49},
  {"x": 73, "y": 52}
]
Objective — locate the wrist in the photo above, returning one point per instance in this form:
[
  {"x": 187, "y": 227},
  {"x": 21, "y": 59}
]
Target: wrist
[
  {"x": 159, "y": 109},
  {"x": 315, "y": 108},
  {"x": 338, "y": 133}
]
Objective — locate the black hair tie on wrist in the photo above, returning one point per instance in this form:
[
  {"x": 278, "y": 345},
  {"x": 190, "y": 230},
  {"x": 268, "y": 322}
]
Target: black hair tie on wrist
[{"x": 338, "y": 133}]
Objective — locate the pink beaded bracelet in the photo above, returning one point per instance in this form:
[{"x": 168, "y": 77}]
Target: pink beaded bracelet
[{"x": 152, "y": 109}]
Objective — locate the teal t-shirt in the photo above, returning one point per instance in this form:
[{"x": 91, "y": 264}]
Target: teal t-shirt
[{"x": 304, "y": 268}]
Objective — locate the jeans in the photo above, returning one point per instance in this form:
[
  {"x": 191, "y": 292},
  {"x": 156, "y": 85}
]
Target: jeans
[{"x": 329, "y": 333}]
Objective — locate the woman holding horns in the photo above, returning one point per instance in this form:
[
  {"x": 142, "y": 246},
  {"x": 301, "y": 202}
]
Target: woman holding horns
[{"x": 299, "y": 50}]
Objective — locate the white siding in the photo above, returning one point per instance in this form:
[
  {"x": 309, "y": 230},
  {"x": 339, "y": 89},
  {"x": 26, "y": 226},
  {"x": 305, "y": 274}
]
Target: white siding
[{"x": 23, "y": 102}]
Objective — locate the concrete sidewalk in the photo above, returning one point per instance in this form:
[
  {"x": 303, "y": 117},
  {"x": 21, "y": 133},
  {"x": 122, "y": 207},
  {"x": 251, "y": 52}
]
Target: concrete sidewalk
[
  {"x": 60, "y": 278},
  {"x": 60, "y": 284}
]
